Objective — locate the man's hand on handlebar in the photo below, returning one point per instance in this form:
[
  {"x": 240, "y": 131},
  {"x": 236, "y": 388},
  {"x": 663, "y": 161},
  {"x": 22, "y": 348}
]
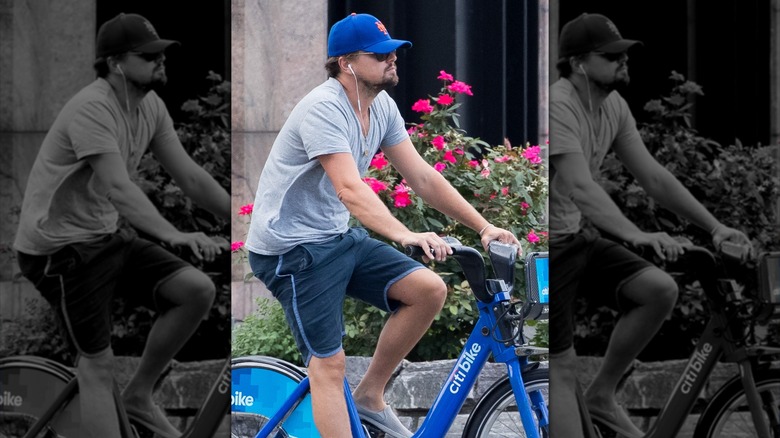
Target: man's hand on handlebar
[
  {"x": 722, "y": 234},
  {"x": 501, "y": 235},
  {"x": 666, "y": 247},
  {"x": 435, "y": 247},
  {"x": 204, "y": 247}
]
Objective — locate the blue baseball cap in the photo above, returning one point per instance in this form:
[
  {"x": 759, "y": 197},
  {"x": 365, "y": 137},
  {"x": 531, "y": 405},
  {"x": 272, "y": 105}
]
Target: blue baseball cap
[{"x": 361, "y": 32}]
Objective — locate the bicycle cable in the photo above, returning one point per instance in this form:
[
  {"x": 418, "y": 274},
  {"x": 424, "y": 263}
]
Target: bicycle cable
[{"x": 515, "y": 333}]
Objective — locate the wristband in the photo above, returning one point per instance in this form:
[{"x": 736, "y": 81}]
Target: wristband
[
  {"x": 484, "y": 228},
  {"x": 716, "y": 228}
]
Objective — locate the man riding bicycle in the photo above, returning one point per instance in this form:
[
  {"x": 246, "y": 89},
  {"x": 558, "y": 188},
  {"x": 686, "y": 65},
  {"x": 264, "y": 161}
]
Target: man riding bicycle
[
  {"x": 588, "y": 117},
  {"x": 299, "y": 240},
  {"x": 70, "y": 245}
]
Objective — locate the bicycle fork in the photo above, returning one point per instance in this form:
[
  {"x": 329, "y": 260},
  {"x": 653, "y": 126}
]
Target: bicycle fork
[
  {"x": 525, "y": 405},
  {"x": 754, "y": 399}
]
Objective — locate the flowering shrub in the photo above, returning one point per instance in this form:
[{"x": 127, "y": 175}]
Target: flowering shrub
[
  {"x": 738, "y": 184},
  {"x": 505, "y": 183}
]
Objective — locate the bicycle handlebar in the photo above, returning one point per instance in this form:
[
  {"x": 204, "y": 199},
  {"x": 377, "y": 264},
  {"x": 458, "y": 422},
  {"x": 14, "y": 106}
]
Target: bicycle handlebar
[{"x": 502, "y": 258}]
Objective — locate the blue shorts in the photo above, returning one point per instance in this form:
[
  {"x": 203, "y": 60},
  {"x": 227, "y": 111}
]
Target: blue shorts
[
  {"x": 586, "y": 265},
  {"x": 81, "y": 280},
  {"x": 311, "y": 280}
]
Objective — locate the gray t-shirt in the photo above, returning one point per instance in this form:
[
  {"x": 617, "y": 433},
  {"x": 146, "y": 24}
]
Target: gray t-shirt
[
  {"x": 296, "y": 202},
  {"x": 64, "y": 201},
  {"x": 573, "y": 132}
]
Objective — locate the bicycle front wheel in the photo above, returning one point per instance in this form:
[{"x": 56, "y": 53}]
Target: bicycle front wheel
[
  {"x": 260, "y": 385},
  {"x": 728, "y": 415},
  {"x": 496, "y": 413},
  {"x": 29, "y": 386}
]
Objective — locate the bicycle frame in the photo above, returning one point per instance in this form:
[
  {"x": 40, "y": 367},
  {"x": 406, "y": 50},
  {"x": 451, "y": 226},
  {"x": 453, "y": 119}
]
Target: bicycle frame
[
  {"x": 214, "y": 407},
  {"x": 716, "y": 343},
  {"x": 207, "y": 421},
  {"x": 480, "y": 344}
]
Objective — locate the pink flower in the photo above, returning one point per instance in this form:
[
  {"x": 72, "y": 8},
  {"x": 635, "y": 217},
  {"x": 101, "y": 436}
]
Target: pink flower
[
  {"x": 460, "y": 87},
  {"x": 246, "y": 209},
  {"x": 532, "y": 154},
  {"x": 443, "y": 75},
  {"x": 423, "y": 106},
  {"x": 376, "y": 185},
  {"x": 445, "y": 99},
  {"x": 379, "y": 161},
  {"x": 439, "y": 166},
  {"x": 459, "y": 151},
  {"x": 524, "y": 205},
  {"x": 485, "y": 172},
  {"x": 235, "y": 246},
  {"x": 411, "y": 130},
  {"x": 532, "y": 237},
  {"x": 503, "y": 159},
  {"x": 401, "y": 197},
  {"x": 438, "y": 142},
  {"x": 504, "y": 191},
  {"x": 449, "y": 157},
  {"x": 473, "y": 163}
]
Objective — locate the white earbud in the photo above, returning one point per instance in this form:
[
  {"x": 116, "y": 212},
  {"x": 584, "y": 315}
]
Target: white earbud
[
  {"x": 583, "y": 70},
  {"x": 119, "y": 69},
  {"x": 349, "y": 66}
]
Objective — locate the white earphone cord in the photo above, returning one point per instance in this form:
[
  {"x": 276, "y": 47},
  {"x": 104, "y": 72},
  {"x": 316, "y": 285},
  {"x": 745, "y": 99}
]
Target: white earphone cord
[
  {"x": 360, "y": 110},
  {"x": 587, "y": 85},
  {"x": 124, "y": 79}
]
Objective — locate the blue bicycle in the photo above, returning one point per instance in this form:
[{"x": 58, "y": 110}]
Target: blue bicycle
[{"x": 271, "y": 397}]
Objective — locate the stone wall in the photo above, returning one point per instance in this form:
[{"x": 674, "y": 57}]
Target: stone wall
[
  {"x": 415, "y": 385},
  {"x": 183, "y": 389}
]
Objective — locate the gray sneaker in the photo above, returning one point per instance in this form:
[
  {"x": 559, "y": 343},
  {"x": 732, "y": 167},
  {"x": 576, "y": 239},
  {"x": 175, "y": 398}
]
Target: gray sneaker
[{"x": 386, "y": 421}]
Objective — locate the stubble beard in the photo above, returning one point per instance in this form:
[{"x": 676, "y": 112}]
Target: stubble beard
[
  {"x": 156, "y": 82},
  {"x": 387, "y": 84},
  {"x": 619, "y": 82}
]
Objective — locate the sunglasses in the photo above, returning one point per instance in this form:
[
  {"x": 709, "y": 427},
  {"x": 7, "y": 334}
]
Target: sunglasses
[
  {"x": 381, "y": 57},
  {"x": 611, "y": 57},
  {"x": 148, "y": 57}
]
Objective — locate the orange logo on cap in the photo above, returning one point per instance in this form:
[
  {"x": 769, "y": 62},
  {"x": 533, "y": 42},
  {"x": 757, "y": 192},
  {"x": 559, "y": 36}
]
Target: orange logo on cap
[{"x": 381, "y": 27}]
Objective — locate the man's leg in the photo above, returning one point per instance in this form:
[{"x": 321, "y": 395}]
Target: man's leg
[
  {"x": 654, "y": 292},
  {"x": 190, "y": 294},
  {"x": 96, "y": 384},
  {"x": 327, "y": 395},
  {"x": 565, "y": 418},
  {"x": 422, "y": 294}
]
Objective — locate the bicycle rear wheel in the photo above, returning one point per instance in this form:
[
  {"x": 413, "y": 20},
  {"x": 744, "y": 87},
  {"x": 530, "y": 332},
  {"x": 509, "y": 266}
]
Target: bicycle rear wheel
[
  {"x": 260, "y": 385},
  {"x": 496, "y": 413},
  {"x": 728, "y": 415},
  {"x": 28, "y": 386}
]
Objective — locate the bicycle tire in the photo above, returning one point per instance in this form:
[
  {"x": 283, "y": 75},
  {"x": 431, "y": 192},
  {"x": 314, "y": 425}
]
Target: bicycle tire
[
  {"x": 496, "y": 414},
  {"x": 727, "y": 414},
  {"x": 29, "y": 386},
  {"x": 259, "y": 386}
]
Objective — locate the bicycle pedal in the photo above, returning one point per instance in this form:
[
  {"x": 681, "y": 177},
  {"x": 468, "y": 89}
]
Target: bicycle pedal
[
  {"x": 373, "y": 432},
  {"x": 603, "y": 431},
  {"x": 142, "y": 432}
]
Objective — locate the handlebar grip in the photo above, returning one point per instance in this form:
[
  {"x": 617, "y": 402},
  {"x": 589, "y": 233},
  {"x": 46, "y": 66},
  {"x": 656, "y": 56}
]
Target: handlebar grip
[
  {"x": 414, "y": 251},
  {"x": 735, "y": 251}
]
